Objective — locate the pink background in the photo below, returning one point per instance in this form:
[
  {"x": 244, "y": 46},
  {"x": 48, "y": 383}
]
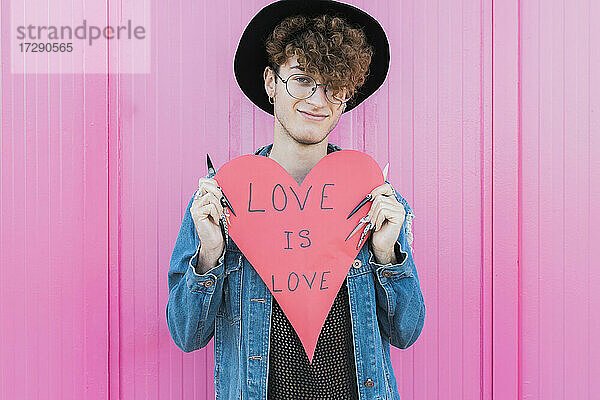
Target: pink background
[{"x": 489, "y": 119}]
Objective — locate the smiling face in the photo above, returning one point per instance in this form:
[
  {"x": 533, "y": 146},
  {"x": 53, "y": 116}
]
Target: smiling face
[{"x": 306, "y": 121}]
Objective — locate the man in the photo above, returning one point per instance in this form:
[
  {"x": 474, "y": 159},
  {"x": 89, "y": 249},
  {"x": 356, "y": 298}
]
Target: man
[{"x": 318, "y": 59}]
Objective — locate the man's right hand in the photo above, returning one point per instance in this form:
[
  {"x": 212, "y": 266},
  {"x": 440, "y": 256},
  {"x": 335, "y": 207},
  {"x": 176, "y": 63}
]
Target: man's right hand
[{"x": 206, "y": 210}]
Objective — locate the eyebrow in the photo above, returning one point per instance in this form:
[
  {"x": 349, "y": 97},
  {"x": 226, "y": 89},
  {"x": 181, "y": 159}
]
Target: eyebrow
[{"x": 298, "y": 67}]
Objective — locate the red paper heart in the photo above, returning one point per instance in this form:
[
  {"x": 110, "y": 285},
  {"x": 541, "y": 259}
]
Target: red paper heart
[{"x": 294, "y": 236}]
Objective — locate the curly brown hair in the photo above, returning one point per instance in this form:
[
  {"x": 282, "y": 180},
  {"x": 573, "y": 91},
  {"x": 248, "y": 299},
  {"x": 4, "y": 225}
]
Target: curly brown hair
[{"x": 326, "y": 46}]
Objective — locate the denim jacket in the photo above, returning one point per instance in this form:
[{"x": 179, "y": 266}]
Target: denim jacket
[{"x": 231, "y": 303}]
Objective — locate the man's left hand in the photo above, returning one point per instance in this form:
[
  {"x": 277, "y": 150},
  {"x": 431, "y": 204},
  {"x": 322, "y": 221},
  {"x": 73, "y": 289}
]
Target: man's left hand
[{"x": 387, "y": 215}]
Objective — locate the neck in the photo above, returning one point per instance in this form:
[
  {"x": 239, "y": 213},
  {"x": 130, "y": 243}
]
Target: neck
[{"x": 297, "y": 158}]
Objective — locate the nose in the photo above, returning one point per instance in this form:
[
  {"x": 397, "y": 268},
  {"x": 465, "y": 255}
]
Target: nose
[{"x": 318, "y": 98}]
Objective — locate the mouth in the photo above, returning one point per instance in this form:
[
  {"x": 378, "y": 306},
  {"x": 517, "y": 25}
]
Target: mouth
[{"x": 314, "y": 117}]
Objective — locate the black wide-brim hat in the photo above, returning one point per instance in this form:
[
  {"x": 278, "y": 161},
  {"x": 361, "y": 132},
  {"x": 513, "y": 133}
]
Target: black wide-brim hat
[{"x": 251, "y": 56}]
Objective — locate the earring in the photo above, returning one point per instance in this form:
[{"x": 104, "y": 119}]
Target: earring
[{"x": 271, "y": 100}]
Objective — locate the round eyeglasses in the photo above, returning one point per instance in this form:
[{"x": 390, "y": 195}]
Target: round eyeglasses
[{"x": 301, "y": 86}]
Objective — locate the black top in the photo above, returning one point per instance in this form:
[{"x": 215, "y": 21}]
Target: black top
[{"x": 332, "y": 374}]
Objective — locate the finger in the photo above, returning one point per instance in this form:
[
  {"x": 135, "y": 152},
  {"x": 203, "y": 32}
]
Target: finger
[
  {"x": 382, "y": 216},
  {"x": 373, "y": 211},
  {"x": 206, "y": 198},
  {"x": 386, "y": 189},
  {"x": 211, "y": 198},
  {"x": 204, "y": 212},
  {"x": 207, "y": 188},
  {"x": 216, "y": 214},
  {"x": 381, "y": 199},
  {"x": 387, "y": 200},
  {"x": 399, "y": 208},
  {"x": 203, "y": 179},
  {"x": 384, "y": 211},
  {"x": 209, "y": 185},
  {"x": 377, "y": 215},
  {"x": 213, "y": 212}
]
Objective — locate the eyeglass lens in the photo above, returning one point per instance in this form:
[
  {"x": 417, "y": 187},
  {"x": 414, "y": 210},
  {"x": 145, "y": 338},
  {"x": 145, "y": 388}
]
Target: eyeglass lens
[{"x": 303, "y": 86}]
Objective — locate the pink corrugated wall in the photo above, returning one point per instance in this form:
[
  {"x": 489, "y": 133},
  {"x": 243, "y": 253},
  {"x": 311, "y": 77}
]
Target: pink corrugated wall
[{"x": 490, "y": 121}]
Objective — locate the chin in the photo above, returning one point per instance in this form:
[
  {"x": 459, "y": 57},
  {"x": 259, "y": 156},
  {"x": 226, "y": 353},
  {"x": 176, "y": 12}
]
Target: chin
[
  {"x": 309, "y": 141},
  {"x": 311, "y": 137},
  {"x": 304, "y": 133}
]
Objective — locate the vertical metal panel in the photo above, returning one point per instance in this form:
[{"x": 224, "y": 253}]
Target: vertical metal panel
[
  {"x": 485, "y": 177},
  {"x": 592, "y": 212},
  {"x": 424, "y": 96},
  {"x": 559, "y": 217},
  {"x": 505, "y": 196},
  {"x": 53, "y": 233}
]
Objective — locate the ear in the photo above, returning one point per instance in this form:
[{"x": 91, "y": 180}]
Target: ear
[{"x": 269, "y": 78}]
